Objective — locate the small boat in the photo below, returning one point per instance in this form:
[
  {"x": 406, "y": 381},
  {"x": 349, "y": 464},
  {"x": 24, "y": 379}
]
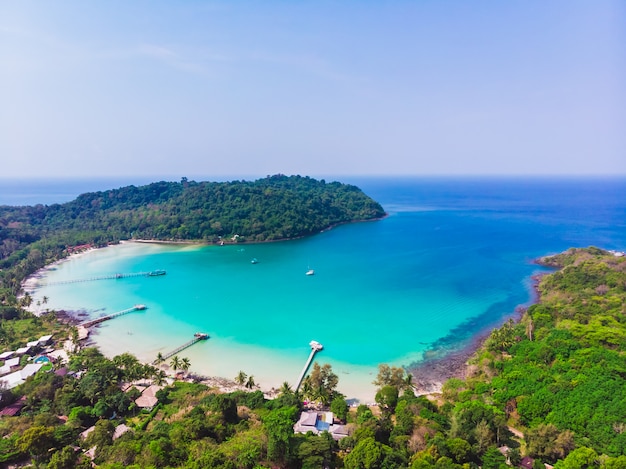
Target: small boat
[
  {"x": 254, "y": 261},
  {"x": 156, "y": 273},
  {"x": 310, "y": 272}
]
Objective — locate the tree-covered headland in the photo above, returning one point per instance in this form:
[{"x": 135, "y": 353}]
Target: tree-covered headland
[{"x": 273, "y": 208}]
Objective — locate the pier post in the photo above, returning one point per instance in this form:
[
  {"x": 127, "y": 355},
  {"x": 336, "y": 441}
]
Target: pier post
[{"x": 315, "y": 347}]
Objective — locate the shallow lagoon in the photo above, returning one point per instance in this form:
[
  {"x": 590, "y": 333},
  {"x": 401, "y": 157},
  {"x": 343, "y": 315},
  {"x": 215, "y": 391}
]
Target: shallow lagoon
[{"x": 452, "y": 259}]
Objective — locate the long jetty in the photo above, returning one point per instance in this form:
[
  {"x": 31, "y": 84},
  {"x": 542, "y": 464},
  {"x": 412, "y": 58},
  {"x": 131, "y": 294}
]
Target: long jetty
[
  {"x": 153, "y": 273},
  {"x": 197, "y": 337},
  {"x": 93, "y": 322},
  {"x": 315, "y": 347}
]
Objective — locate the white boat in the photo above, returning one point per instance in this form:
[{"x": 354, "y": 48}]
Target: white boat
[{"x": 310, "y": 272}]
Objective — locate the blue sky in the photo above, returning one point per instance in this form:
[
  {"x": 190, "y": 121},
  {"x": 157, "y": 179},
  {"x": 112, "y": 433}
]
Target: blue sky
[{"x": 423, "y": 87}]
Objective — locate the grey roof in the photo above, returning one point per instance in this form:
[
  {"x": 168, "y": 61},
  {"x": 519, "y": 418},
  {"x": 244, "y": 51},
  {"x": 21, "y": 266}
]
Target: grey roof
[{"x": 18, "y": 377}]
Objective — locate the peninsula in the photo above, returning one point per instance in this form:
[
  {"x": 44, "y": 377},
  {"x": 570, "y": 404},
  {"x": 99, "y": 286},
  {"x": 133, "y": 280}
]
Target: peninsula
[{"x": 274, "y": 208}]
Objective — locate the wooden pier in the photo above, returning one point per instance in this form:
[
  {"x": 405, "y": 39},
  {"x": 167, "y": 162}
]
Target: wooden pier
[
  {"x": 197, "y": 337},
  {"x": 315, "y": 347},
  {"x": 93, "y": 322},
  {"x": 153, "y": 273}
]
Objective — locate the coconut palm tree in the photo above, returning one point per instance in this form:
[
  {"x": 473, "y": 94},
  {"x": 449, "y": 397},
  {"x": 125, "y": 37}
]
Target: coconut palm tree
[
  {"x": 408, "y": 382},
  {"x": 185, "y": 364},
  {"x": 285, "y": 388},
  {"x": 26, "y": 301},
  {"x": 175, "y": 362},
  {"x": 241, "y": 377},
  {"x": 159, "y": 377},
  {"x": 159, "y": 358},
  {"x": 250, "y": 383},
  {"x": 75, "y": 339}
]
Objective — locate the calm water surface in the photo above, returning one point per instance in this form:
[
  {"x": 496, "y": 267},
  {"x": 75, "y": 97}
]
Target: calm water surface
[{"x": 453, "y": 258}]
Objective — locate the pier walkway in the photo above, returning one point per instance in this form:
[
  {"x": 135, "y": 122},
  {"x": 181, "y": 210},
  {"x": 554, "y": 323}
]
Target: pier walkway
[
  {"x": 93, "y": 322},
  {"x": 197, "y": 337},
  {"x": 153, "y": 273},
  {"x": 315, "y": 347}
]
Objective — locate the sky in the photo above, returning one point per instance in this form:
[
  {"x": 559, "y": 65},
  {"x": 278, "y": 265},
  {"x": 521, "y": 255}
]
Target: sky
[{"x": 421, "y": 87}]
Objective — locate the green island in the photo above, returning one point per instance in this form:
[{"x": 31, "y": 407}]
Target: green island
[
  {"x": 274, "y": 208},
  {"x": 549, "y": 389}
]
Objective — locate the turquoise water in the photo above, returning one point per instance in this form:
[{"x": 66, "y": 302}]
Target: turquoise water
[{"x": 452, "y": 259}]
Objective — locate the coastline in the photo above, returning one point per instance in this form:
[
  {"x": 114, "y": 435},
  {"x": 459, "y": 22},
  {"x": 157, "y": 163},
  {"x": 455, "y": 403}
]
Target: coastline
[
  {"x": 430, "y": 375},
  {"x": 433, "y": 371},
  {"x": 230, "y": 242},
  {"x": 30, "y": 283}
]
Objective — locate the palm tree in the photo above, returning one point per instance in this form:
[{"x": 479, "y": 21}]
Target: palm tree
[
  {"x": 175, "y": 362},
  {"x": 159, "y": 358},
  {"x": 408, "y": 381},
  {"x": 241, "y": 377},
  {"x": 285, "y": 388},
  {"x": 159, "y": 377},
  {"x": 75, "y": 338},
  {"x": 306, "y": 389},
  {"x": 250, "y": 383},
  {"x": 26, "y": 301},
  {"x": 185, "y": 364}
]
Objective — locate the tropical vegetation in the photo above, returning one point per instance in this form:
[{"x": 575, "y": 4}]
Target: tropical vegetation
[{"x": 551, "y": 387}]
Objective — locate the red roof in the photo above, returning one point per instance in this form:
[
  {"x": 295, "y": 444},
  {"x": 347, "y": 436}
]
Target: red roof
[{"x": 13, "y": 409}]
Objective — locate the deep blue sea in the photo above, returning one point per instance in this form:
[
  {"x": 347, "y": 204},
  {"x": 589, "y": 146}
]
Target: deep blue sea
[{"x": 453, "y": 258}]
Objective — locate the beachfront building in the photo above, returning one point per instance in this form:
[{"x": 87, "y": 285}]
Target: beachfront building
[
  {"x": 45, "y": 340},
  {"x": 148, "y": 398},
  {"x": 318, "y": 422},
  {"x": 23, "y": 351},
  {"x": 19, "y": 377},
  {"x": 9, "y": 365}
]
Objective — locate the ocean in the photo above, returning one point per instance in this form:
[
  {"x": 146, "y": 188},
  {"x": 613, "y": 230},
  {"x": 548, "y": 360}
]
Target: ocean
[{"x": 453, "y": 258}]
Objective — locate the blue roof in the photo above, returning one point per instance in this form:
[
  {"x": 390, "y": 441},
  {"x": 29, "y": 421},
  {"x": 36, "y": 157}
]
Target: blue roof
[{"x": 322, "y": 426}]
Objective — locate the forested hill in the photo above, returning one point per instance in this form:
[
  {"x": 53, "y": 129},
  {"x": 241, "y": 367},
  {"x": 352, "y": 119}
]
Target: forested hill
[
  {"x": 276, "y": 207},
  {"x": 272, "y": 208}
]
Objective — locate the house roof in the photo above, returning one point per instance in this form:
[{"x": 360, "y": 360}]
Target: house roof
[
  {"x": 22, "y": 350},
  {"x": 318, "y": 422},
  {"x": 18, "y": 377},
  {"x": 148, "y": 396},
  {"x": 6, "y": 368},
  {"x": 13, "y": 409},
  {"x": 12, "y": 361},
  {"x": 5, "y": 355},
  {"x": 308, "y": 418},
  {"x": 86, "y": 433},
  {"x": 120, "y": 430}
]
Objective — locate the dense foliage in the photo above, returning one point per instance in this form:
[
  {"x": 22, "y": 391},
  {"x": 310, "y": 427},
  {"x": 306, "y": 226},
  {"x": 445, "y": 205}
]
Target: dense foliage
[
  {"x": 551, "y": 387},
  {"x": 561, "y": 372},
  {"x": 276, "y": 207}
]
